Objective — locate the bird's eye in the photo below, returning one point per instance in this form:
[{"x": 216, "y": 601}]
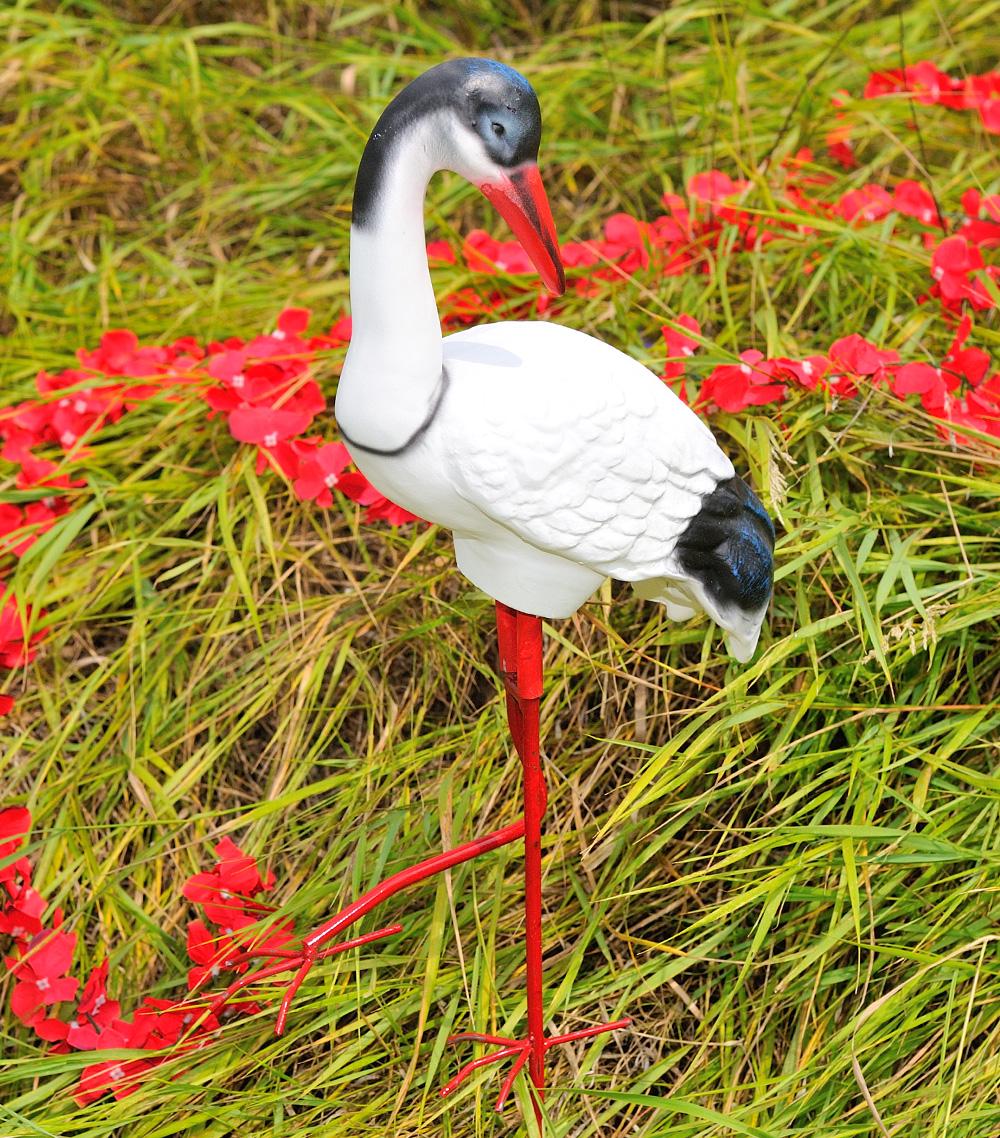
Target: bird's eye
[{"x": 499, "y": 129}]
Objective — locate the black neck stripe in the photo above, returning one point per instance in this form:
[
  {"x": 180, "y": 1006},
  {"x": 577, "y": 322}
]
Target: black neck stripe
[{"x": 417, "y": 435}]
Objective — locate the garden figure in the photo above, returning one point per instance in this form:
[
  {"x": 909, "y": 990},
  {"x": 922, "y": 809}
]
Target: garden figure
[{"x": 555, "y": 460}]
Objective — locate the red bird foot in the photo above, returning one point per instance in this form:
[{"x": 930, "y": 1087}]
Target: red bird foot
[
  {"x": 520, "y": 1050},
  {"x": 297, "y": 960}
]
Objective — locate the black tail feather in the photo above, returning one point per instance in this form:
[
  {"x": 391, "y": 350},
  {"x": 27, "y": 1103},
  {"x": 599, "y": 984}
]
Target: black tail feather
[{"x": 729, "y": 547}]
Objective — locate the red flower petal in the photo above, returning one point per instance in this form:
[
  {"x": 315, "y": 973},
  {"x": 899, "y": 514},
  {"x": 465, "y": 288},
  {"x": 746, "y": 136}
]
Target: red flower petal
[
  {"x": 916, "y": 200},
  {"x": 916, "y": 378},
  {"x": 267, "y": 425},
  {"x": 321, "y": 471},
  {"x": 714, "y": 186},
  {"x": 956, "y": 255},
  {"x": 679, "y": 346},
  {"x": 869, "y": 203},
  {"x": 15, "y": 825},
  {"x": 440, "y": 251},
  {"x": 48, "y": 955},
  {"x": 341, "y": 331},
  {"x": 121, "y": 1077},
  {"x": 855, "y": 354},
  {"x": 382, "y": 510},
  {"x": 294, "y": 321}
]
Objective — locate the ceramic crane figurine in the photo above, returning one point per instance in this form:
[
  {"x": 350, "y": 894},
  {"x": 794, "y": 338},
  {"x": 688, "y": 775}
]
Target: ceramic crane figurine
[{"x": 555, "y": 460}]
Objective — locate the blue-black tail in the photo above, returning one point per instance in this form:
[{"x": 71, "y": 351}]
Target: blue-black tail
[{"x": 728, "y": 547}]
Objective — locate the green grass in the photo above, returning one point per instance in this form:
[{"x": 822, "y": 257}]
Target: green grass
[{"x": 786, "y": 874}]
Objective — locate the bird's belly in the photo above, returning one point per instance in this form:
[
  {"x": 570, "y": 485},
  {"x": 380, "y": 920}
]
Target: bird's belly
[{"x": 492, "y": 556}]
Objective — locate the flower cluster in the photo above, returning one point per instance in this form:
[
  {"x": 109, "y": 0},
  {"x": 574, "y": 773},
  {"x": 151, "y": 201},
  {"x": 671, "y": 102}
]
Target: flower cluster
[
  {"x": 926, "y": 83},
  {"x": 955, "y": 392},
  {"x": 263, "y": 388},
  {"x": 266, "y": 391},
  {"x": 693, "y": 228},
  {"x": 44, "y": 996},
  {"x": 228, "y": 895}
]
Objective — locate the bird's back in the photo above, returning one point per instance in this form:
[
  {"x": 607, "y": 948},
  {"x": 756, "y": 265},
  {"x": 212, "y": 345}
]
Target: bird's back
[{"x": 576, "y": 446}]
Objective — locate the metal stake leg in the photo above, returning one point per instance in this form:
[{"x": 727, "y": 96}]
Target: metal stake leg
[{"x": 520, "y": 638}]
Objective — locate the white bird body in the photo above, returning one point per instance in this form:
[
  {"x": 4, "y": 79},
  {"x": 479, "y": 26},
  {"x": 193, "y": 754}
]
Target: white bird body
[{"x": 555, "y": 459}]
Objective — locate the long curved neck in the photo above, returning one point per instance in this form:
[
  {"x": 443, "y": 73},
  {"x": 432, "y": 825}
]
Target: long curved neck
[{"x": 392, "y": 373}]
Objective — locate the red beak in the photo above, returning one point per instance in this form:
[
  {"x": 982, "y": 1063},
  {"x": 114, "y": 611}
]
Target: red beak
[{"x": 521, "y": 201}]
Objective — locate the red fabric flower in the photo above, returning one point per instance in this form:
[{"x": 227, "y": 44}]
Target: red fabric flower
[
  {"x": 853, "y": 356},
  {"x": 938, "y": 386},
  {"x": 377, "y": 506},
  {"x": 319, "y": 473},
  {"x": 40, "y": 973},
  {"x": 21, "y": 911},
  {"x": 624, "y": 243},
  {"x": 981, "y": 231},
  {"x": 809, "y": 373},
  {"x": 714, "y": 187},
  {"x": 213, "y": 953},
  {"x": 968, "y": 364},
  {"x": 94, "y": 1023},
  {"x": 159, "y": 1023},
  {"x": 96, "y": 1014},
  {"x": 20, "y": 529},
  {"x": 440, "y": 251},
  {"x": 925, "y": 380},
  {"x": 485, "y": 254},
  {"x": 287, "y": 456},
  {"x": 121, "y": 354},
  {"x": 868, "y": 203},
  {"x": 225, "y": 891},
  {"x": 969, "y": 411},
  {"x": 338, "y": 335},
  {"x": 15, "y": 825},
  {"x": 924, "y": 81},
  {"x": 384, "y": 510},
  {"x": 734, "y": 387},
  {"x": 982, "y": 93},
  {"x": 342, "y": 330},
  {"x": 292, "y": 322},
  {"x": 915, "y": 200},
  {"x": 42, "y": 472},
  {"x": 267, "y": 426},
  {"x": 953, "y": 264},
  {"x": 120, "y": 1076},
  {"x": 267, "y": 393}
]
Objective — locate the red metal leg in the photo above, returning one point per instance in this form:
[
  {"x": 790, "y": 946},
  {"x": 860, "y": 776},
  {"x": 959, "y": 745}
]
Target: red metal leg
[
  {"x": 526, "y": 689},
  {"x": 520, "y": 639}
]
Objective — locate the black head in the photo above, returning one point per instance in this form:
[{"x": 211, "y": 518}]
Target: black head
[
  {"x": 486, "y": 118},
  {"x": 502, "y": 109}
]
